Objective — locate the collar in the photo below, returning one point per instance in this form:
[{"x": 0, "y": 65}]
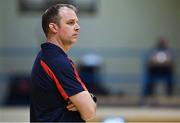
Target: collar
[{"x": 49, "y": 45}]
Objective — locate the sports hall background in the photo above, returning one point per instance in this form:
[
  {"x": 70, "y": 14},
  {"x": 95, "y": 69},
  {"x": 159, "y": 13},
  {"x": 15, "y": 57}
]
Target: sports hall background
[{"x": 120, "y": 31}]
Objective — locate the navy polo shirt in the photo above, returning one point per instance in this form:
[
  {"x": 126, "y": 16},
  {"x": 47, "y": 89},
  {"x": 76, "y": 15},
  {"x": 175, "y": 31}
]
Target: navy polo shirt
[{"x": 54, "y": 79}]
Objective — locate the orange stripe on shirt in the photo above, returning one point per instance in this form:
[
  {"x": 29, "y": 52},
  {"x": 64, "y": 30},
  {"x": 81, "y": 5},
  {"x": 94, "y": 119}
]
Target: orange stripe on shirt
[
  {"x": 54, "y": 78},
  {"x": 78, "y": 78}
]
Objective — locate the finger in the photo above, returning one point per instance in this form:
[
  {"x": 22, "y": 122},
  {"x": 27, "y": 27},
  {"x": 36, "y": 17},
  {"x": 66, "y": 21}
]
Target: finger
[
  {"x": 70, "y": 106},
  {"x": 72, "y": 109}
]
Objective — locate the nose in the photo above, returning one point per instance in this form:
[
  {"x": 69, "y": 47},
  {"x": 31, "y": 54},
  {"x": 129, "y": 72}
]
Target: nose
[{"x": 77, "y": 27}]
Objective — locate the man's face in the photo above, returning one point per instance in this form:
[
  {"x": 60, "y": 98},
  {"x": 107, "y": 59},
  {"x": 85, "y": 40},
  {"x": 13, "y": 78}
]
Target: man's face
[{"x": 69, "y": 28}]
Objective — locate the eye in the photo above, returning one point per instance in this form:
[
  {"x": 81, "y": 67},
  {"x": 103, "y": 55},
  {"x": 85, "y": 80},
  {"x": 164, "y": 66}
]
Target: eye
[{"x": 70, "y": 22}]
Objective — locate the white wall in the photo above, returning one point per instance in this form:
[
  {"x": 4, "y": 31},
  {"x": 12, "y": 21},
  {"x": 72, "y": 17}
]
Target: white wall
[
  {"x": 2, "y": 19},
  {"x": 130, "y": 23},
  {"x": 129, "y": 27},
  {"x": 119, "y": 31},
  {"x": 20, "y": 35}
]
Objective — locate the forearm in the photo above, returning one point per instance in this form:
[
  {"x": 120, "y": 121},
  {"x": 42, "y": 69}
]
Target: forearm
[{"x": 85, "y": 105}]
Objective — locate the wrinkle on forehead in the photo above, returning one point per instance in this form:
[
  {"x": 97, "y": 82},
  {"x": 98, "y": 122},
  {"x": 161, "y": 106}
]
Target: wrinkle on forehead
[{"x": 67, "y": 13}]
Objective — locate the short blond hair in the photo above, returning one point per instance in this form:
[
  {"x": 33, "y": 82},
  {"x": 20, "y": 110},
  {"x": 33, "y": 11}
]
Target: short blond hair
[{"x": 52, "y": 15}]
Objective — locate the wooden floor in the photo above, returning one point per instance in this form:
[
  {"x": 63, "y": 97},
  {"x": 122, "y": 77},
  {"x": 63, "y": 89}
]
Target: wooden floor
[
  {"x": 139, "y": 114},
  {"x": 159, "y": 101},
  {"x": 14, "y": 114},
  {"x": 160, "y": 110},
  {"x": 131, "y": 114}
]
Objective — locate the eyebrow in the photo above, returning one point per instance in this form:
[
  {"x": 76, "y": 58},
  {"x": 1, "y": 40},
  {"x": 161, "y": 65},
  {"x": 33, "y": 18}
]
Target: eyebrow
[{"x": 73, "y": 20}]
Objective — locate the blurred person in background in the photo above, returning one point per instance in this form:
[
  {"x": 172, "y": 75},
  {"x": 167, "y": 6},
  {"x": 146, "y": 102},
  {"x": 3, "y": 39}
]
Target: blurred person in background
[
  {"x": 159, "y": 66},
  {"x": 90, "y": 70},
  {"x": 57, "y": 92}
]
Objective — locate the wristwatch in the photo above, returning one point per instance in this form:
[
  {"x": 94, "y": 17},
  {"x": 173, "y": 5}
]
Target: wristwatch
[{"x": 93, "y": 97}]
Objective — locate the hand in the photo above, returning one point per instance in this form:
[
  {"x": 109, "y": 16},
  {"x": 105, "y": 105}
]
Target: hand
[{"x": 71, "y": 107}]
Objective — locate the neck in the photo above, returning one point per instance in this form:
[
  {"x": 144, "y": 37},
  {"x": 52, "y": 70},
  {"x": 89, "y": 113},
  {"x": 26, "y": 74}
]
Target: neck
[{"x": 59, "y": 44}]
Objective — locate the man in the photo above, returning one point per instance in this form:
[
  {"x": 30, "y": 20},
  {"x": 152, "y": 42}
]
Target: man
[
  {"x": 159, "y": 66},
  {"x": 58, "y": 94}
]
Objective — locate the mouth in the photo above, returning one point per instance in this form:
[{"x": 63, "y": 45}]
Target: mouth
[{"x": 75, "y": 35}]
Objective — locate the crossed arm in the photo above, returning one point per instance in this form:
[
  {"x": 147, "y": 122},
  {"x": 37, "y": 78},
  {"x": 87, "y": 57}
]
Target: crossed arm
[{"x": 84, "y": 103}]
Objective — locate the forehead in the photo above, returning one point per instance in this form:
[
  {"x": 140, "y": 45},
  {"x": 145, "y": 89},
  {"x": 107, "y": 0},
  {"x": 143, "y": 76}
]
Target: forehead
[{"x": 67, "y": 13}]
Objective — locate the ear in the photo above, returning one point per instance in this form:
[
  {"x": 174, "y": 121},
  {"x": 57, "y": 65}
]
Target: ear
[{"x": 53, "y": 27}]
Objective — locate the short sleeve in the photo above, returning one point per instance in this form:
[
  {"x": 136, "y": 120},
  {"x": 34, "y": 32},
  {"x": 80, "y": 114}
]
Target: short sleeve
[{"x": 65, "y": 76}]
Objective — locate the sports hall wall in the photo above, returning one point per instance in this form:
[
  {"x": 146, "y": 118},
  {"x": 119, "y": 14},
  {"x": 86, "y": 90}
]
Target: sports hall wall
[{"x": 120, "y": 31}]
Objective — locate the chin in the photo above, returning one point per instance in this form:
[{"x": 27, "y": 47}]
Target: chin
[{"x": 74, "y": 41}]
